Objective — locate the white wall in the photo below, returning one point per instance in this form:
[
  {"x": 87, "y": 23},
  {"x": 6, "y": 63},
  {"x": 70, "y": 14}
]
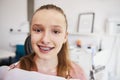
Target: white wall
[{"x": 13, "y": 13}]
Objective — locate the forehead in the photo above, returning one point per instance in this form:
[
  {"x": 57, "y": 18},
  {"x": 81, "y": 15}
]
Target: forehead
[
  {"x": 49, "y": 16},
  {"x": 49, "y": 12}
]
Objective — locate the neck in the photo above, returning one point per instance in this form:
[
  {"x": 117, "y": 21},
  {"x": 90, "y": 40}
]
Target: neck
[{"x": 46, "y": 65}]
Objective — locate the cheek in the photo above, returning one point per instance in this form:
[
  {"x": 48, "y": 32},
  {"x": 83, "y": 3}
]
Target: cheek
[
  {"x": 59, "y": 40},
  {"x": 59, "y": 44},
  {"x": 34, "y": 38},
  {"x": 62, "y": 39}
]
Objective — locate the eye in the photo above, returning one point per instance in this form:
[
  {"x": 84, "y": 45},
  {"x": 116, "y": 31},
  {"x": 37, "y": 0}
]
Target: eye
[
  {"x": 37, "y": 30},
  {"x": 56, "y": 31}
]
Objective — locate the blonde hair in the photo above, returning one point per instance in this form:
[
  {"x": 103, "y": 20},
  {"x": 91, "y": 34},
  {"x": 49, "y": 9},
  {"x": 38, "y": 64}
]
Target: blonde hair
[{"x": 64, "y": 65}]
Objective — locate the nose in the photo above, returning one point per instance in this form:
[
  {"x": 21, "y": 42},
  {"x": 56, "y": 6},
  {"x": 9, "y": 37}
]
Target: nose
[{"x": 45, "y": 38}]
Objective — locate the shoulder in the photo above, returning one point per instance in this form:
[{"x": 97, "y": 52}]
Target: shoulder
[
  {"x": 15, "y": 65},
  {"x": 3, "y": 71},
  {"x": 77, "y": 68},
  {"x": 77, "y": 71}
]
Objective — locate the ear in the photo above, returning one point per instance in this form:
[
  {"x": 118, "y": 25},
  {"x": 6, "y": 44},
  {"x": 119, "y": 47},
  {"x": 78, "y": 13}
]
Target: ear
[{"x": 66, "y": 37}]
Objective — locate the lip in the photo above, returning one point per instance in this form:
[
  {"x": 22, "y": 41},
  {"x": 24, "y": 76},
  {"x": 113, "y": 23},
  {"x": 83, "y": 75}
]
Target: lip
[{"x": 45, "y": 49}]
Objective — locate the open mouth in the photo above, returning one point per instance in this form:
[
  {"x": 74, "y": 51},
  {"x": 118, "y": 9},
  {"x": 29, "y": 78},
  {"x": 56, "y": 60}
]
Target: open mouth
[{"x": 45, "y": 49}]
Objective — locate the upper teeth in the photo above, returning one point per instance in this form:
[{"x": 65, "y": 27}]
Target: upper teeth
[{"x": 45, "y": 48}]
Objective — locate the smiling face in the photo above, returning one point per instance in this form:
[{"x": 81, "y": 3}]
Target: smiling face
[{"x": 48, "y": 33}]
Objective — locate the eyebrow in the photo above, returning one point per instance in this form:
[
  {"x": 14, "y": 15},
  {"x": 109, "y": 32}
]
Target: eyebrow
[
  {"x": 56, "y": 26},
  {"x": 43, "y": 25},
  {"x": 36, "y": 25}
]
